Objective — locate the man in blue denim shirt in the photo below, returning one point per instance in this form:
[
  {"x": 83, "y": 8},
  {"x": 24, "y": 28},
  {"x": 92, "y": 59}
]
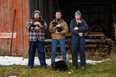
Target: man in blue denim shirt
[
  {"x": 78, "y": 27},
  {"x": 58, "y": 28}
]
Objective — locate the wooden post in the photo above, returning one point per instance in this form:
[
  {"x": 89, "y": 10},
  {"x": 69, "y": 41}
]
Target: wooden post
[
  {"x": 114, "y": 23},
  {"x": 115, "y": 30},
  {"x": 22, "y": 29},
  {"x": 12, "y": 31}
]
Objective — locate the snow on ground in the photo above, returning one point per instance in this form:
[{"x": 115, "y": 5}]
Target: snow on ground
[{"x": 10, "y": 60}]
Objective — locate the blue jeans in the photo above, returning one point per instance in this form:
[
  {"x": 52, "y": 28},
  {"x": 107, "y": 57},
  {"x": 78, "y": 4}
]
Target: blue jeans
[
  {"x": 32, "y": 49},
  {"x": 78, "y": 44},
  {"x": 61, "y": 42}
]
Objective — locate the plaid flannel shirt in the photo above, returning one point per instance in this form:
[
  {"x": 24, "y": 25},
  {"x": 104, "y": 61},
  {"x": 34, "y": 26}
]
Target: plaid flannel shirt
[{"x": 34, "y": 35}]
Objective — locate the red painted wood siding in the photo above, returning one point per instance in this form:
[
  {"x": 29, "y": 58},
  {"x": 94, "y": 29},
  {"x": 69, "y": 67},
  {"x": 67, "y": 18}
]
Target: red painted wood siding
[{"x": 20, "y": 43}]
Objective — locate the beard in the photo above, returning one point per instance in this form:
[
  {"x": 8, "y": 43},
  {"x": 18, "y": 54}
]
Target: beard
[{"x": 36, "y": 18}]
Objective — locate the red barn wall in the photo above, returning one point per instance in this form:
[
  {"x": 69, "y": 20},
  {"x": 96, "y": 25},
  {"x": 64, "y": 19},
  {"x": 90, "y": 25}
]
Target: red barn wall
[{"x": 20, "y": 43}]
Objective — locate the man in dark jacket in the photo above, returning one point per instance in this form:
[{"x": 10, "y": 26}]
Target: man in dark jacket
[
  {"x": 36, "y": 36},
  {"x": 78, "y": 27}
]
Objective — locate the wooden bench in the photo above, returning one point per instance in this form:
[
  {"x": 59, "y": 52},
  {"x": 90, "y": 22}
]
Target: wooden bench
[{"x": 90, "y": 43}]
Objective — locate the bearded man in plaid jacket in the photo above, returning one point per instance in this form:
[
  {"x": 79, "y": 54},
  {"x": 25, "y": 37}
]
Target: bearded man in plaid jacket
[{"x": 36, "y": 35}]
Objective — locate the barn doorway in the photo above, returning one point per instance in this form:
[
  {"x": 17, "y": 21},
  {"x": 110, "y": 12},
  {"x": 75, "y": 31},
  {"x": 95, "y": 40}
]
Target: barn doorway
[{"x": 97, "y": 12}]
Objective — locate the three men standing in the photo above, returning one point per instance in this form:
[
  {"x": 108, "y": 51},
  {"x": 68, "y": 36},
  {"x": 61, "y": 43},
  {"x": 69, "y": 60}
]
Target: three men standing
[{"x": 58, "y": 28}]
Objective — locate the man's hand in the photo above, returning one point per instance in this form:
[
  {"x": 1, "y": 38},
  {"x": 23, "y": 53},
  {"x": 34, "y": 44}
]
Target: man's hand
[
  {"x": 37, "y": 23},
  {"x": 37, "y": 28},
  {"x": 58, "y": 25},
  {"x": 81, "y": 34},
  {"x": 57, "y": 31},
  {"x": 76, "y": 28}
]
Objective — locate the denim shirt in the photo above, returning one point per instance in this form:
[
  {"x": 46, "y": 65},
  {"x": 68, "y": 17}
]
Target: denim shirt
[{"x": 82, "y": 28}]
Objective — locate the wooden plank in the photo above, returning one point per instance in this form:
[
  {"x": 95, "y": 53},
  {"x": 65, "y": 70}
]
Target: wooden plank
[
  {"x": 7, "y": 35},
  {"x": 95, "y": 40},
  {"x": 87, "y": 40},
  {"x": 95, "y": 34},
  {"x": 48, "y": 40},
  {"x": 91, "y": 45},
  {"x": 89, "y": 34}
]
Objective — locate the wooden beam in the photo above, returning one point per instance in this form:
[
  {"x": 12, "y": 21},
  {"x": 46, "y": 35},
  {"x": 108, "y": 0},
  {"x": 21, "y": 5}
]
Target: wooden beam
[{"x": 7, "y": 35}]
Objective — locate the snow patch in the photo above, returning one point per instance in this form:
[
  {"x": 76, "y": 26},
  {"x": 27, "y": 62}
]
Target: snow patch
[
  {"x": 13, "y": 76},
  {"x": 10, "y": 60}
]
